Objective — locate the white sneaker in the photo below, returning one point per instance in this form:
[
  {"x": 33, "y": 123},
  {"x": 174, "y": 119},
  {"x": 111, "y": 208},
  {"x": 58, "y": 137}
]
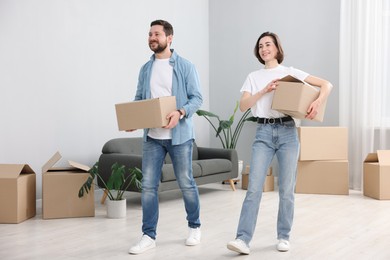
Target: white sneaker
[
  {"x": 143, "y": 245},
  {"x": 193, "y": 237},
  {"x": 239, "y": 246},
  {"x": 283, "y": 245}
]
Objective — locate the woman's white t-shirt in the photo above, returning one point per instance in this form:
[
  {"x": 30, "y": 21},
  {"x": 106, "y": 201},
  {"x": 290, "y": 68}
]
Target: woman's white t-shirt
[{"x": 257, "y": 80}]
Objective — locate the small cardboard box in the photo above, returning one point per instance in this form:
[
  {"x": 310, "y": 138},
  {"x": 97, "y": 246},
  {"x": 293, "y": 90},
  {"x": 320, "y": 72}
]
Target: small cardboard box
[
  {"x": 268, "y": 183},
  {"x": 17, "y": 193},
  {"x": 323, "y": 143},
  {"x": 293, "y": 97},
  {"x": 323, "y": 177},
  {"x": 376, "y": 175},
  {"x": 149, "y": 113},
  {"x": 60, "y": 188}
]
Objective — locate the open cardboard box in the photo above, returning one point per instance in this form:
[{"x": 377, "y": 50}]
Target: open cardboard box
[
  {"x": 376, "y": 175},
  {"x": 17, "y": 193},
  {"x": 149, "y": 113},
  {"x": 293, "y": 97},
  {"x": 60, "y": 188}
]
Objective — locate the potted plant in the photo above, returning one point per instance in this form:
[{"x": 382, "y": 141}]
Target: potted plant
[
  {"x": 115, "y": 187},
  {"x": 227, "y": 134}
]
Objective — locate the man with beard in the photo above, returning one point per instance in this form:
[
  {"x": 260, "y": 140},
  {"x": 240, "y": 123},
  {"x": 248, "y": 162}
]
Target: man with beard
[{"x": 168, "y": 74}]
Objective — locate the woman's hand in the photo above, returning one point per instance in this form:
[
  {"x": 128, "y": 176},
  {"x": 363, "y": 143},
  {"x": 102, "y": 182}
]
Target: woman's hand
[
  {"x": 248, "y": 100},
  {"x": 325, "y": 88},
  {"x": 312, "y": 111},
  {"x": 270, "y": 87}
]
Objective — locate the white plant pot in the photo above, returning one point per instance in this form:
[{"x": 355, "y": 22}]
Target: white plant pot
[{"x": 116, "y": 208}]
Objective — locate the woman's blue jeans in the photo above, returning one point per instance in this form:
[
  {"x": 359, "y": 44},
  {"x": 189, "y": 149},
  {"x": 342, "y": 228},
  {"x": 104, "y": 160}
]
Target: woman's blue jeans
[
  {"x": 154, "y": 152},
  {"x": 280, "y": 139}
]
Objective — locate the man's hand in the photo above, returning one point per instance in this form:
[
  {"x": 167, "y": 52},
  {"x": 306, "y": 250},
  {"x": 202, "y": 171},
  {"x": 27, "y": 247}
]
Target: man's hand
[{"x": 173, "y": 119}]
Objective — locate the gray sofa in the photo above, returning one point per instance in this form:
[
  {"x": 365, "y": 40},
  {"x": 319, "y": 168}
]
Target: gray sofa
[{"x": 209, "y": 164}]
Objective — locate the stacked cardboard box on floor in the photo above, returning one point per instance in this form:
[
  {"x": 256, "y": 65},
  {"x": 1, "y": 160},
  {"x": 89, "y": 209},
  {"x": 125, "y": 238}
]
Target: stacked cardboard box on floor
[
  {"x": 323, "y": 161},
  {"x": 268, "y": 183},
  {"x": 17, "y": 193},
  {"x": 376, "y": 175},
  {"x": 60, "y": 187}
]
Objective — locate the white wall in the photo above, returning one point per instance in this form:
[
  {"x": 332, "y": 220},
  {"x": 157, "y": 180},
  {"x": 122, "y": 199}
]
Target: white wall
[{"x": 64, "y": 64}]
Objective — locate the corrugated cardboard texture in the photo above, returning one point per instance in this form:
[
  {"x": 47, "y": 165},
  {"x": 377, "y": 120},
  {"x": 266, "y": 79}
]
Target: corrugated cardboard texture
[
  {"x": 268, "y": 183},
  {"x": 150, "y": 113},
  {"x": 323, "y": 143},
  {"x": 323, "y": 177},
  {"x": 51, "y": 162},
  {"x": 384, "y": 157},
  {"x": 17, "y": 193},
  {"x": 293, "y": 97},
  {"x": 60, "y": 195},
  {"x": 60, "y": 188},
  {"x": 376, "y": 175}
]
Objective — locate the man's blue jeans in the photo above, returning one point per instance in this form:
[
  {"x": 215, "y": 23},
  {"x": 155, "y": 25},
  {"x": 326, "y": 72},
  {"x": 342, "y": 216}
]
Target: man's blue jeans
[
  {"x": 154, "y": 152},
  {"x": 282, "y": 140}
]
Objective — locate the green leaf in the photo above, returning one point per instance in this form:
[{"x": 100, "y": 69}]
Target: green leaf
[
  {"x": 117, "y": 177},
  {"x": 224, "y": 124},
  {"x": 118, "y": 181},
  {"x": 224, "y": 132},
  {"x": 206, "y": 113},
  {"x": 86, "y": 187},
  {"x": 251, "y": 119}
]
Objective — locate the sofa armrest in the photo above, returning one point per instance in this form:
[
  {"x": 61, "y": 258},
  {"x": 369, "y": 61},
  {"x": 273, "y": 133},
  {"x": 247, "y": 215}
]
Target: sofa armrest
[{"x": 220, "y": 153}]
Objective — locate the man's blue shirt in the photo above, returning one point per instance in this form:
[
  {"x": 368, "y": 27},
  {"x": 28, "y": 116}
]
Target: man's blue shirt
[{"x": 186, "y": 89}]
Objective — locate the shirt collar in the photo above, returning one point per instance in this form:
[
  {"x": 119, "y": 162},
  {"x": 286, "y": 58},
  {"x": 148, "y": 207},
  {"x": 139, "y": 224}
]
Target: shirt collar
[{"x": 172, "y": 59}]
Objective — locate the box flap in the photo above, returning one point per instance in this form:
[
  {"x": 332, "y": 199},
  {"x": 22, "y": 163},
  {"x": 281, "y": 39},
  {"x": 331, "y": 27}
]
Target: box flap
[
  {"x": 371, "y": 157},
  {"x": 12, "y": 171},
  {"x": 290, "y": 78},
  {"x": 384, "y": 157},
  {"x": 27, "y": 169},
  {"x": 53, "y": 160},
  {"x": 79, "y": 166}
]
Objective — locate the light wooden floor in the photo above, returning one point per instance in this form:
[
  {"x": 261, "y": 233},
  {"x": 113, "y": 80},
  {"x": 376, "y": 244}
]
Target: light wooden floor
[{"x": 326, "y": 227}]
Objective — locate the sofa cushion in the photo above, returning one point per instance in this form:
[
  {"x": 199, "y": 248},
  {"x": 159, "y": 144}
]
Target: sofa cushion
[
  {"x": 168, "y": 174},
  {"x": 214, "y": 166}
]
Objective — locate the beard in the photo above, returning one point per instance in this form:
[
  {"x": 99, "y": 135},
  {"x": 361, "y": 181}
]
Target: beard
[{"x": 159, "y": 48}]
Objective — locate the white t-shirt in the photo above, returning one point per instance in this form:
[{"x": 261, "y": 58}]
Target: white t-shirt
[
  {"x": 161, "y": 86},
  {"x": 258, "y": 79}
]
